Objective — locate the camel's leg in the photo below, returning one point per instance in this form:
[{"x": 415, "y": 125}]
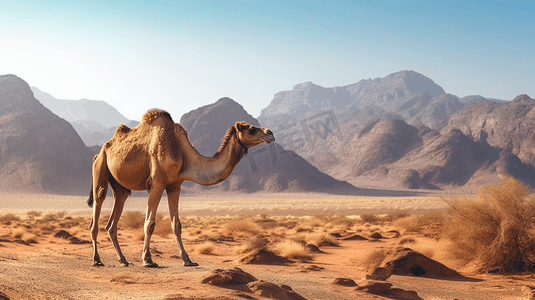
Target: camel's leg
[
  {"x": 172, "y": 198},
  {"x": 120, "y": 194},
  {"x": 100, "y": 188},
  {"x": 155, "y": 194}
]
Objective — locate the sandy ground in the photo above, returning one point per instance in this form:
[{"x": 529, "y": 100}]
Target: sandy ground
[
  {"x": 53, "y": 268},
  {"x": 277, "y": 204}
]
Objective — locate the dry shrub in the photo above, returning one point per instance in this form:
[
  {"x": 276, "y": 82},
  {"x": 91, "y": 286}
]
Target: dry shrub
[
  {"x": 18, "y": 233},
  {"x": 29, "y": 238},
  {"x": 292, "y": 250},
  {"x": 32, "y": 214},
  {"x": 133, "y": 219},
  {"x": 317, "y": 238},
  {"x": 369, "y": 218},
  {"x": 374, "y": 259},
  {"x": 426, "y": 248},
  {"x": 266, "y": 222},
  {"x": 45, "y": 228},
  {"x": 9, "y": 217},
  {"x": 250, "y": 244},
  {"x": 241, "y": 227},
  {"x": 496, "y": 229},
  {"x": 399, "y": 214},
  {"x": 419, "y": 223},
  {"x": 52, "y": 217},
  {"x": 207, "y": 248},
  {"x": 163, "y": 226},
  {"x": 287, "y": 222}
]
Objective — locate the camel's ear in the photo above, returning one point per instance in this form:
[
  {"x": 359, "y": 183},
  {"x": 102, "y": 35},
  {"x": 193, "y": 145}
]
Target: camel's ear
[{"x": 242, "y": 126}]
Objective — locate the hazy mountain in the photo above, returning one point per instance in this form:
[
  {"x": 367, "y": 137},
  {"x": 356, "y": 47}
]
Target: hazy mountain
[
  {"x": 265, "y": 167},
  {"x": 94, "y": 120},
  {"x": 508, "y": 126},
  {"x": 326, "y": 119},
  {"x": 39, "y": 151},
  {"x": 474, "y": 98},
  {"x": 388, "y": 93},
  {"x": 391, "y": 153}
]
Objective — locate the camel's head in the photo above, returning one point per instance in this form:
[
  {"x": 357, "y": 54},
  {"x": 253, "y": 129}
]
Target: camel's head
[{"x": 250, "y": 135}]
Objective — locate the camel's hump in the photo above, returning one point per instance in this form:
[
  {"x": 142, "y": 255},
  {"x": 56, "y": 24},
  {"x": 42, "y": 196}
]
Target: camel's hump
[{"x": 154, "y": 114}]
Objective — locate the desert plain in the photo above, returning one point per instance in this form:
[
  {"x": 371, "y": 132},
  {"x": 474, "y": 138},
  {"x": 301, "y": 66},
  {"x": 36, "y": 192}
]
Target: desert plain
[{"x": 45, "y": 250}]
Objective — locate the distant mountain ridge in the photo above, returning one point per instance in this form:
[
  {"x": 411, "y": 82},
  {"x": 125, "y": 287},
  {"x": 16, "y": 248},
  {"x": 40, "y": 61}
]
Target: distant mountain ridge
[
  {"x": 94, "y": 120},
  {"x": 508, "y": 126},
  {"x": 393, "y": 153},
  {"x": 387, "y": 93},
  {"x": 39, "y": 151}
]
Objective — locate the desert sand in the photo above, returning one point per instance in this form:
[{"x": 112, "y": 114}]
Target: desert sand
[{"x": 38, "y": 262}]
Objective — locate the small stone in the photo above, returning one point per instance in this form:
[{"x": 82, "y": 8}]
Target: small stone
[
  {"x": 344, "y": 281},
  {"x": 380, "y": 274},
  {"x": 376, "y": 235},
  {"x": 230, "y": 276},
  {"x": 355, "y": 237},
  {"x": 374, "y": 287},
  {"x": 273, "y": 291}
]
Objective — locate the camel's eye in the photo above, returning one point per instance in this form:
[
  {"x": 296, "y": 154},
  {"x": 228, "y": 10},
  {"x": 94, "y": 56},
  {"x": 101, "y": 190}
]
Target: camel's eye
[{"x": 252, "y": 130}]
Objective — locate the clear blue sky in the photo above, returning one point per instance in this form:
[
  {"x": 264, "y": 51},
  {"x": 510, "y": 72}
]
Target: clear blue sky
[{"x": 179, "y": 55}]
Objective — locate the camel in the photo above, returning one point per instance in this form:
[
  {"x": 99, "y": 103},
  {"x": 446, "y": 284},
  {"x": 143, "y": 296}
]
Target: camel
[{"x": 155, "y": 156}]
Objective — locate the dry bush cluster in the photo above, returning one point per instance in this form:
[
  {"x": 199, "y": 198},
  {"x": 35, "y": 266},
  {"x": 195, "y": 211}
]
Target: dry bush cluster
[
  {"x": 36, "y": 224},
  {"x": 292, "y": 250},
  {"x": 427, "y": 224},
  {"x": 496, "y": 229}
]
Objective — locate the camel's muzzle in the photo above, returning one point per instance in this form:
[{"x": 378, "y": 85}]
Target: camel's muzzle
[{"x": 268, "y": 137}]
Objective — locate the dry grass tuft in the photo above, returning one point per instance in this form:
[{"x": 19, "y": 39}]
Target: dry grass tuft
[
  {"x": 251, "y": 244},
  {"x": 9, "y": 217},
  {"x": 133, "y": 219},
  {"x": 18, "y": 233},
  {"x": 317, "y": 238},
  {"x": 206, "y": 248},
  {"x": 419, "y": 223},
  {"x": 292, "y": 250},
  {"x": 163, "y": 226},
  {"x": 29, "y": 238},
  {"x": 391, "y": 217},
  {"x": 374, "y": 259},
  {"x": 369, "y": 218},
  {"x": 242, "y": 226},
  {"x": 496, "y": 229},
  {"x": 426, "y": 248}
]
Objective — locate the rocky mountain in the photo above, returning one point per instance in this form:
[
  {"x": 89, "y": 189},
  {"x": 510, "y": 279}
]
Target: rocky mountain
[
  {"x": 39, "y": 151},
  {"x": 94, "y": 120},
  {"x": 265, "y": 167},
  {"x": 509, "y": 126},
  {"x": 388, "y": 93},
  {"x": 405, "y": 92},
  {"x": 405, "y": 95},
  {"x": 389, "y": 153}
]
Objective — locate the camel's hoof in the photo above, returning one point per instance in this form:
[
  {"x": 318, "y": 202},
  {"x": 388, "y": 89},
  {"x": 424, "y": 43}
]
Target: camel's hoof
[
  {"x": 190, "y": 264},
  {"x": 124, "y": 264},
  {"x": 97, "y": 264},
  {"x": 150, "y": 265}
]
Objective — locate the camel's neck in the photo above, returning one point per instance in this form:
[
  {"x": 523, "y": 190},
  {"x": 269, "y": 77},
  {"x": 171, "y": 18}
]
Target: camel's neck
[{"x": 213, "y": 170}]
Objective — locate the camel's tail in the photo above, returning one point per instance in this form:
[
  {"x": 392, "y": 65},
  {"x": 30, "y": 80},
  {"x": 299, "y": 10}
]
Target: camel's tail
[{"x": 90, "y": 200}]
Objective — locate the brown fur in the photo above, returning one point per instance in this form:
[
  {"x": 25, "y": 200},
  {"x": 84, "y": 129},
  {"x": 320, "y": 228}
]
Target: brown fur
[{"x": 154, "y": 114}]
